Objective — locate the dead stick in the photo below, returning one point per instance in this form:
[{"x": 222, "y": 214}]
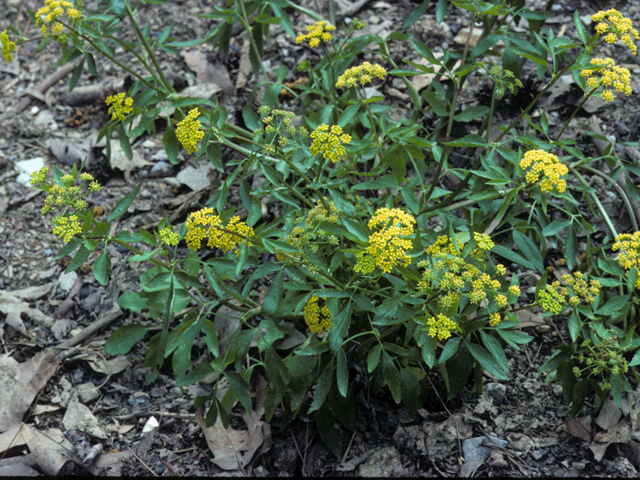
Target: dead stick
[
  {"x": 46, "y": 84},
  {"x": 91, "y": 329}
]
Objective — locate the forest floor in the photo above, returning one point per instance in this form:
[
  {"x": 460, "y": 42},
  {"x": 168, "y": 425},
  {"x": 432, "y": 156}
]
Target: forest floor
[{"x": 41, "y": 308}]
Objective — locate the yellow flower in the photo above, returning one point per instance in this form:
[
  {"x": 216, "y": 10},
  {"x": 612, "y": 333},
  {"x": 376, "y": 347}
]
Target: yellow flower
[
  {"x": 514, "y": 290},
  {"x": 317, "y": 32},
  {"x": 501, "y": 300},
  {"x": 119, "y": 106},
  {"x": 484, "y": 241},
  {"x": 66, "y": 227},
  {"x": 316, "y": 317},
  {"x": 386, "y": 247},
  {"x": 545, "y": 167},
  {"x": 551, "y": 299},
  {"x": 609, "y": 76},
  {"x": 188, "y": 131},
  {"x": 628, "y": 246},
  {"x": 203, "y": 224},
  {"x": 361, "y": 74},
  {"x": 329, "y": 143},
  {"x": 619, "y": 28},
  {"x": 40, "y": 176},
  {"x": 46, "y": 17},
  {"x": 501, "y": 270},
  {"x": 441, "y": 327},
  {"x": 494, "y": 319},
  {"x": 168, "y": 236},
  {"x": 8, "y": 47}
]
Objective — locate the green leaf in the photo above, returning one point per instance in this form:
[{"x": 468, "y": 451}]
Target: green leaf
[
  {"x": 429, "y": 351},
  {"x": 118, "y": 7},
  {"x": 171, "y": 143},
  {"x": 410, "y": 391},
  {"x": 75, "y": 76},
  {"x": 241, "y": 388},
  {"x": 123, "y": 204},
  {"x": 416, "y": 13},
  {"x": 582, "y": 32},
  {"x": 357, "y": 229},
  {"x": 450, "y": 348},
  {"x": 574, "y": 326},
  {"x": 330, "y": 431},
  {"x": 277, "y": 373},
  {"x": 470, "y": 113},
  {"x": 342, "y": 373},
  {"x": 132, "y": 301},
  {"x": 348, "y": 115},
  {"x": 322, "y": 388},
  {"x": 529, "y": 249},
  {"x": 514, "y": 338},
  {"x": 374, "y": 357},
  {"x": 124, "y": 142},
  {"x": 273, "y": 297},
  {"x": 69, "y": 247},
  {"x": 496, "y": 350},
  {"x": 102, "y": 268},
  {"x": 79, "y": 258},
  {"x": 513, "y": 256},
  {"x": 471, "y": 140},
  {"x": 441, "y": 11},
  {"x": 391, "y": 376},
  {"x": 435, "y": 103},
  {"x": 555, "y": 227},
  {"x": 486, "y": 360},
  {"x": 570, "y": 247},
  {"x": 124, "y": 338}
]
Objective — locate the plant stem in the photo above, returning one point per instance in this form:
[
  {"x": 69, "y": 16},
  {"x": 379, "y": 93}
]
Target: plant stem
[
  {"x": 622, "y": 193},
  {"x": 594, "y": 197},
  {"x": 244, "y": 19},
  {"x": 584, "y": 100},
  {"x": 143, "y": 39}
]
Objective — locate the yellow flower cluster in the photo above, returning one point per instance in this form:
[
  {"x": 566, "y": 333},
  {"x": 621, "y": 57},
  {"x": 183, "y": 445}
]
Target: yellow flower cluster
[
  {"x": 203, "y": 224},
  {"x": 40, "y": 176},
  {"x": 551, "y": 299},
  {"x": 611, "y": 76},
  {"x": 119, "y": 106},
  {"x": 306, "y": 230},
  {"x": 361, "y": 74},
  {"x": 8, "y": 47},
  {"x": 66, "y": 227},
  {"x": 441, "y": 326},
  {"x": 318, "y": 31},
  {"x": 547, "y": 166},
  {"x": 188, "y": 131},
  {"x": 494, "y": 319},
  {"x": 168, "y": 236},
  {"x": 386, "y": 247},
  {"x": 619, "y": 28},
  {"x": 452, "y": 275},
  {"x": 316, "y": 317},
  {"x": 578, "y": 289},
  {"x": 329, "y": 143},
  {"x": 628, "y": 245},
  {"x": 53, "y": 9},
  {"x": 484, "y": 241}
]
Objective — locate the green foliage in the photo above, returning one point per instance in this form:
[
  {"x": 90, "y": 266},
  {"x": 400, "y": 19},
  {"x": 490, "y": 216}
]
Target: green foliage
[{"x": 360, "y": 270}]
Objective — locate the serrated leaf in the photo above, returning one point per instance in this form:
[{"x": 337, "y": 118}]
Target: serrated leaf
[{"x": 124, "y": 338}]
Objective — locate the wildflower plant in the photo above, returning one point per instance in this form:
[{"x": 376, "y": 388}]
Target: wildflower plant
[{"x": 343, "y": 230}]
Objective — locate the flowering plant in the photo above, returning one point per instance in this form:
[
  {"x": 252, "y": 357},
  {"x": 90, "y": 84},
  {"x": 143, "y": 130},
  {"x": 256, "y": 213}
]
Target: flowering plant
[{"x": 375, "y": 266}]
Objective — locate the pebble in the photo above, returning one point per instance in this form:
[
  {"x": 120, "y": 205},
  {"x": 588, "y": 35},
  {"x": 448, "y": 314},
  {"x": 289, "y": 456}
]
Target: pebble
[
  {"x": 622, "y": 129},
  {"x": 557, "y": 390},
  {"x": 374, "y": 19},
  {"x": 539, "y": 454}
]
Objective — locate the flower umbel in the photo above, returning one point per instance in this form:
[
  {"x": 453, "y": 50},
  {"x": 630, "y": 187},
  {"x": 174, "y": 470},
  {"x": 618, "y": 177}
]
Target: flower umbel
[
  {"x": 329, "y": 143},
  {"x": 545, "y": 167},
  {"x": 361, "y": 74},
  {"x": 609, "y": 76},
  {"x": 386, "y": 247},
  {"x": 317, "y": 32},
  {"x": 616, "y": 27},
  {"x": 46, "y": 17},
  {"x": 627, "y": 245},
  {"x": 441, "y": 326},
  {"x": 168, "y": 236},
  {"x": 316, "y": 317},
  {"x": 8, "y": 47},
  {"x": 119, "y": 106},
  {"x": 188, "y": 131},
  {"x": 203, "y": 224},
  {"x": 66, "y": 227}
]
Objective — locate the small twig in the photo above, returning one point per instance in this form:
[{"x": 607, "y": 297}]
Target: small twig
[
  {"x": 138, "y": 458},
  {"x": 295, "y": 442},
  {"x": 344, "y": 457},
  {"x": 235, "y": 450},
  {"x": 183, "y": 416},
  {"x": 108, "y": 319}
]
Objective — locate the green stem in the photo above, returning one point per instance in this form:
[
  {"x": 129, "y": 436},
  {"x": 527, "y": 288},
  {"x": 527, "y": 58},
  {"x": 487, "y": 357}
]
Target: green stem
[
  {"x": 594, "y": 197},
  {"x": 467, "y": 178},
  {"x": 584, "y": 100},
  {"x": 142, "y": 38},
  {"x": 622, "y": 193}
]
